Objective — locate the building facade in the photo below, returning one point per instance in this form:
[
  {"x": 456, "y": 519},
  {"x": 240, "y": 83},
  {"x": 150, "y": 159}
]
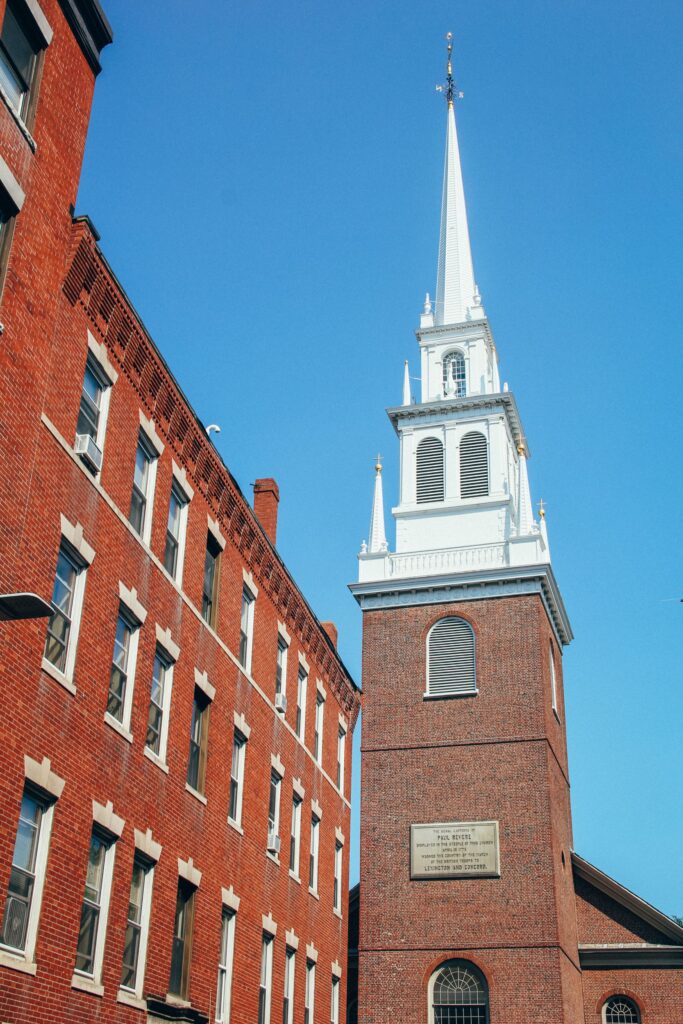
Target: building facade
[
  {"x": 473, "y": 905},
  {"x": 176, "y": 738}
]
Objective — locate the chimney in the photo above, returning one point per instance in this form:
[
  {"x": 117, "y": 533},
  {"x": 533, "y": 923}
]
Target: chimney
[
  {"x": 266, "y": 498},
  {"x": 331, "y": 631}
]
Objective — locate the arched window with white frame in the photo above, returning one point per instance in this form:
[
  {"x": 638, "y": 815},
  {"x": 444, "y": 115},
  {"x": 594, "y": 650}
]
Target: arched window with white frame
[
  {"x": 474, "y": 465},
  {"x": 458, "y": 994},
  {"x": 454, "y": 375},
  {"x": 620, "y": 1010},
  {"x": 430, "y": 475},
  {"x": 451, "y": 664}
]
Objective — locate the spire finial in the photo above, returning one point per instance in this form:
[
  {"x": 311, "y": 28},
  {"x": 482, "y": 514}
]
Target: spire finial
[
  {"x": 449, "y": 69},
  {"x": 541, "y": 509},
  {"x": 378, "y": 463},
  {"x": 378, "y": 537}
]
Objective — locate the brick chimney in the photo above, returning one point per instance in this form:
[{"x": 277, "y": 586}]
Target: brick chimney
[
  {"x": 331, "y": 631},
  {"x": 266, "y": 499}
]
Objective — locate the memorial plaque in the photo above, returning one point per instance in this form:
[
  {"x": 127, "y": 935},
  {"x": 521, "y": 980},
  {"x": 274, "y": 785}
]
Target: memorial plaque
[{"x": 455, "y": 849}]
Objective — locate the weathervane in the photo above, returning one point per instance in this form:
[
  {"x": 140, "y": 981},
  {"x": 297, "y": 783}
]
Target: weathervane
[{"x": 449, "y": 87}]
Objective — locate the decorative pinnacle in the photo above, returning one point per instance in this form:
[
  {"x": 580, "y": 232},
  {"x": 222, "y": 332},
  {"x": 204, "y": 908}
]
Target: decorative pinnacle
[
  {"x": 521, "y": 448},
  {"x": 449, "y": 88},
  {"x": 541, "y": 509},
  {"x": 378, "y": 463}
]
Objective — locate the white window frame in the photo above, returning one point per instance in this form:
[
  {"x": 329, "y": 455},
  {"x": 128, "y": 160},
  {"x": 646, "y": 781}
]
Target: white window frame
[
  {"x": 295, "y": 834},
  {"x": 81, "y": 555},
  {"x": 301, "y": 691},
  {"x": 238, "y": 735},
  {"x": 309, "y": 1002},
  {"x": 266, "y": 976},
  {"x": 553, "y": 680},
  {"x": 314, "y": 855},
  {"x": 106, "y": 377},
  {"x": 148, "y": 867},
  {"x": 181, "y": 495},
  {"x": 249, "y": 595},
  {"x": 150, "y": 449},
  {"x": 133, "y": 625},
  {"x": 334, "y": 1000},
  {"x": 289, "y": 987},
  {"x": 338, "y": 876},
  {"x": 281, "y": 663},
  {"x": 168, "y": 661},
  {"x": 319, "y": 725},
  {"x": 95, "y": 977},
  {"x": 341, "y": 756},
  {"x": 225, "y": 964},
  {"x": 274, "y": 821}
]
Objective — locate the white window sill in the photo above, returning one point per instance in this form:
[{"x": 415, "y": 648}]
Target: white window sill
[
  {"x": 313, "y": 893},
  {"x": 18, "y": 119},
  {"x": 174, "y": 1000},
  {"x": 58, "y": 676},
  {"x": 89, "y": 985},
  {"x": 557, "y": 716},
  {"x": 295, "y": 878},
  {"x": 17, "y": 962},
  {"x": 155, "y": 759},
  {"x": 450, "y": 696},
  {"x": 117, "y": 727},
  {"x": 273, "y": 856},
  {"x": 337, "y": 913},
  {"x": 130, "y": 999},
  {"x": 196, "y": 794},
  {"x": 235, "y": 826}
]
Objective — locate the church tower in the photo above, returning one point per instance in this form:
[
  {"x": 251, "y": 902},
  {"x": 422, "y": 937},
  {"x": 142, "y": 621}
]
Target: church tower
[{"x": 467, "y": 907}]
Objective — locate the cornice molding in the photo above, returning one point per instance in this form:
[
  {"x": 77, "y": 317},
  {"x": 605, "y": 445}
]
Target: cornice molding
[
  {"x": 443, "y": 406},
  {"x": 623, "y": 956},
  {"x": 90, "y": 26}
]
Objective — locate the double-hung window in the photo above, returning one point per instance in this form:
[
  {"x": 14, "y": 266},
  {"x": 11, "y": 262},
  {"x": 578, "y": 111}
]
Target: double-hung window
[
  {"x": 7, "y": 213},
  {"x": 319, "y": 719},
  {"x": 27, "y": 875},
  {"x": 67, "y": 601},
  {"x": 295, "y": 836},
  {"x": 313, "y": 855},
  {"x": 95, "y": 906},
  {"x": 281, "y": 673},
  {"x": 553, "y": 680},
  {"x": 246, "y": 628},
  {"x": 334, "y": 1002},
  {"x": 175, "y": 532},
  {"x": 199, "y": 741},
  {"x": 341, "y": 757},
  {"x": 309, "y": 1003},
  {"x": 288, "y": 999},
  {"x": 122, "y": 676},
  {"x": 137, "y": 925},
  {"x": 181, "y": 953},
  {"x": 159, "y": 704},
  {"x": 266, "y": 980},
  {"x": 239, "y": 749},
  {"x": 301, "y": 688},
  {"x": 21, "y": 42},
  {"x": 338, "y": 876},
  {"x": 274, "y": 812},
  {"x": 142, "y": 496},
  {"x": 92, "y": 414},
  {"x": 210, "y": 589},
  {"x": 227, "y": 955}
]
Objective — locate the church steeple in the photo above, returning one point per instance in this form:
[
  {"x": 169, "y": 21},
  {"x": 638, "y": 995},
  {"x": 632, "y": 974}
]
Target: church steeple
[
  {"x": 457, "y": 299},
  {"x": 378, "y": 537}
]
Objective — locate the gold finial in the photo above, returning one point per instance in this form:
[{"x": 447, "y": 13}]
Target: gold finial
[
  {"x": 521, "y": 448},
  {"x": 541, "y": 509},
  {"x": 378, "y": 464}
]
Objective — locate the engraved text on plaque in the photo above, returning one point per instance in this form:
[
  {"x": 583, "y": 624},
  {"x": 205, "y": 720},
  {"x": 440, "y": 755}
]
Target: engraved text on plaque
[{"x": 455, "y": 849}]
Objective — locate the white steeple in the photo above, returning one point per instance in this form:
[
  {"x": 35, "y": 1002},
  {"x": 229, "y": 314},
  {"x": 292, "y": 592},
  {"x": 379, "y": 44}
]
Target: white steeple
[
  {"x": 378, "y": 537},
  {"x": 525, "y": 516},
  {"x": 457, "y": 297}
]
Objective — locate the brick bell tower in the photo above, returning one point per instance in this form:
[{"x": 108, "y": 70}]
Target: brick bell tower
[{"x": 467, "y": 910}]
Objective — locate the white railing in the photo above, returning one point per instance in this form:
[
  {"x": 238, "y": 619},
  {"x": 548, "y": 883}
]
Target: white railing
[{"x": 420, "y": 563}]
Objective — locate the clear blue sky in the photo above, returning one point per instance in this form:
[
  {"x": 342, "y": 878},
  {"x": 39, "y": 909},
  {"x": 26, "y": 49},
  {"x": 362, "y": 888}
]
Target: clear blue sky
[{"x": 266, "y": 179}]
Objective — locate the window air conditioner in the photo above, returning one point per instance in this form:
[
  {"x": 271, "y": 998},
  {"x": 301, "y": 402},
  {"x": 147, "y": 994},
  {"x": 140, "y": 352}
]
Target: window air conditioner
[
  {"x": 88, "y": 450},
  {"x": 273, "y": 843},
  {"x": 280, "y": 702}
]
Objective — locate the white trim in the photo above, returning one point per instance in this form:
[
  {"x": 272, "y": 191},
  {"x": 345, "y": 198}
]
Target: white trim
[
  {"x": 229, "y": 921},
  {"x": 298, "y": 788},
  {"x": 73, "y": 534},
  {"x": 201, "y": 681},
  {"x": 27, "y": 955},
  {"x": 311, "y": 953},
  {"x": 309, "y": 992},
  {"x": 103, "y": 815},
  {"x": 145, "y": 916},
  {"x": 339, "y": 836},
  {"x": 292, "y": 940},
  {"x": 319, "y": 724},
  {"x": 129, "y": 598},
  {"x": 243, "y": 729},
  {"x": 304, "y": 664},
  {"x": 314, "y": 851},
  {"x": 321, "y": 689},
  {"x": 251, "y": 608},
  {"x": 268, "y": 924},
  {"x": 150, "y": 431},
  {"x": 165, "y": 640},
  {"x": 295, "y": 833},
  {"x": 240, "y": 723},
  {"x": 182, "y": 495},
  {"x": 168, "y": 667},
  {"x": 277, "y": 765},
  {"x": 92, "y": 982},
  {"x": 215, "y": 531},
  {"x": 182, "y": 480},
  {"x": 146, "y": 844},
  {"x": 282, "y": 630},
  {"x": 100, "y": 353},
  {"x": 301, "y": 699},
  {"x": 338, "y": 874},
  {"x": 248, "y": 580},
  {"x": 11, "y": 186},
  {"x": 42, "y": 777},
  {"x": 229, "y": 899},
  {"x": 152, "y": 453},
  {"x": 316, "y": 809},
  {"x": 155, "y": 759},
  {"x": 188, "y": 872},
  {"x": 80, "y": 554},
  {"x": 134, "y": 626},
  {"x": 42, "y": 24},
  {"x": 336, "y": 969}
]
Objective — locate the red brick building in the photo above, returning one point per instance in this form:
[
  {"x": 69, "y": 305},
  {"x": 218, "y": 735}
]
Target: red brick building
[
  {"x": 175, "y": 761},
  {"x": 473, "y": 906}
]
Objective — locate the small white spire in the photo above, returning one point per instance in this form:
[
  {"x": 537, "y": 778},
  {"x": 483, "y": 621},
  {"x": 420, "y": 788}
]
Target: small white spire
[
  {"x": 406, "y": 384},
  {"x": 378, "y": 537},
  {"x": 525, "y": 518},
  {"x": 544, "y": 527}
]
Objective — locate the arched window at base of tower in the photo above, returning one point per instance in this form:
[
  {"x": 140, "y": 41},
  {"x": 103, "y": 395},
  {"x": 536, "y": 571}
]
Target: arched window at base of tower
[
  {"x": 451, "y": 663},
  {"x": 620, "y": 1010},
  {"x": 458, "y": 994}
]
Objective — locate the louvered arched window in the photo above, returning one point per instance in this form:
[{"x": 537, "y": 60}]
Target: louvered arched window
[
  {"x": 621, "y": 1010},
  {"x": 450, "y": 658},
  {"x": 454, "y": 375},
  {"x": 474, "y": 465},
  {"x": 430, "y": 470},
  {"x": 458, "y": 994}
]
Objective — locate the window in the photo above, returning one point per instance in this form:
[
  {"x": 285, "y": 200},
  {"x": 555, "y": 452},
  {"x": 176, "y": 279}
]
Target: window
[
  {"x": 281, "y": 668},
  {"x": 225, "y": 966},
  {"x": 175, "y": 533},
  {"x": 7, "y": 213},
  {"x": 295, "y": 836},
  {"x": 309, "y": 1004},
  {"x": 553, "y": 679},
  {"x": 450, "y": 658},
  {"x": 239, "y": 746},
  {"x": 20, "y": 45},
  {"x": 67, "y": 598},
  {"x": 95, "y": 906},
  {"x": 274, "y": 813},
  {"x": 341, "y": 757},
  {"x": 22, "y": 907},
  {"x": 199, "y": 741},
  {"x": 143, "y": 488},
  {"x": 246, "y": 628},
  {"x": 458, "y": 994},
  {"x": 137, "y": 925},
  {"x": 210, "y": 591},
  {"x": 264, "y": 992},
  {"x": 179, "y": 981},
  {"x": 157, "y": 719},
  {"x": 313, "y": 857},
  {"x": 621, "y": 1010},
  {"x": 338, "y": 876},
  {"x": 454, "y": 375},
  {"x": 474, "y": 466},
  {"x": 288, "y": 1000},
  {"x": 92, "y": 414},
  {"x": 334, "y": 1007},
  {"x": 122, "y": 674},
  {"x": 319, "y": 718},
  {"x": 301, "y": 688},
  {"x": 430, "y": 476}
]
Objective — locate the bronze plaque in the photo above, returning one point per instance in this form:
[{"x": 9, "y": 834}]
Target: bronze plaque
[{"x": 455, "y": 849}]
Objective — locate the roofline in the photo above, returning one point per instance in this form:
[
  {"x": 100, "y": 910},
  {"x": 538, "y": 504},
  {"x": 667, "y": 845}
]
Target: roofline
[
  {"x": 85, "y": 220},
  {"x": 91, "y": 28},
  {"x": 469, "y": 402},
  {"x": 625, "y": 898},
  {"x": 624, "y": 955}
]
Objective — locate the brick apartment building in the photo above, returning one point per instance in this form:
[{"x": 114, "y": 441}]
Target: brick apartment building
[
  {"x": 473, "y": 907},
  {"x": 175, "y": 760}
]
